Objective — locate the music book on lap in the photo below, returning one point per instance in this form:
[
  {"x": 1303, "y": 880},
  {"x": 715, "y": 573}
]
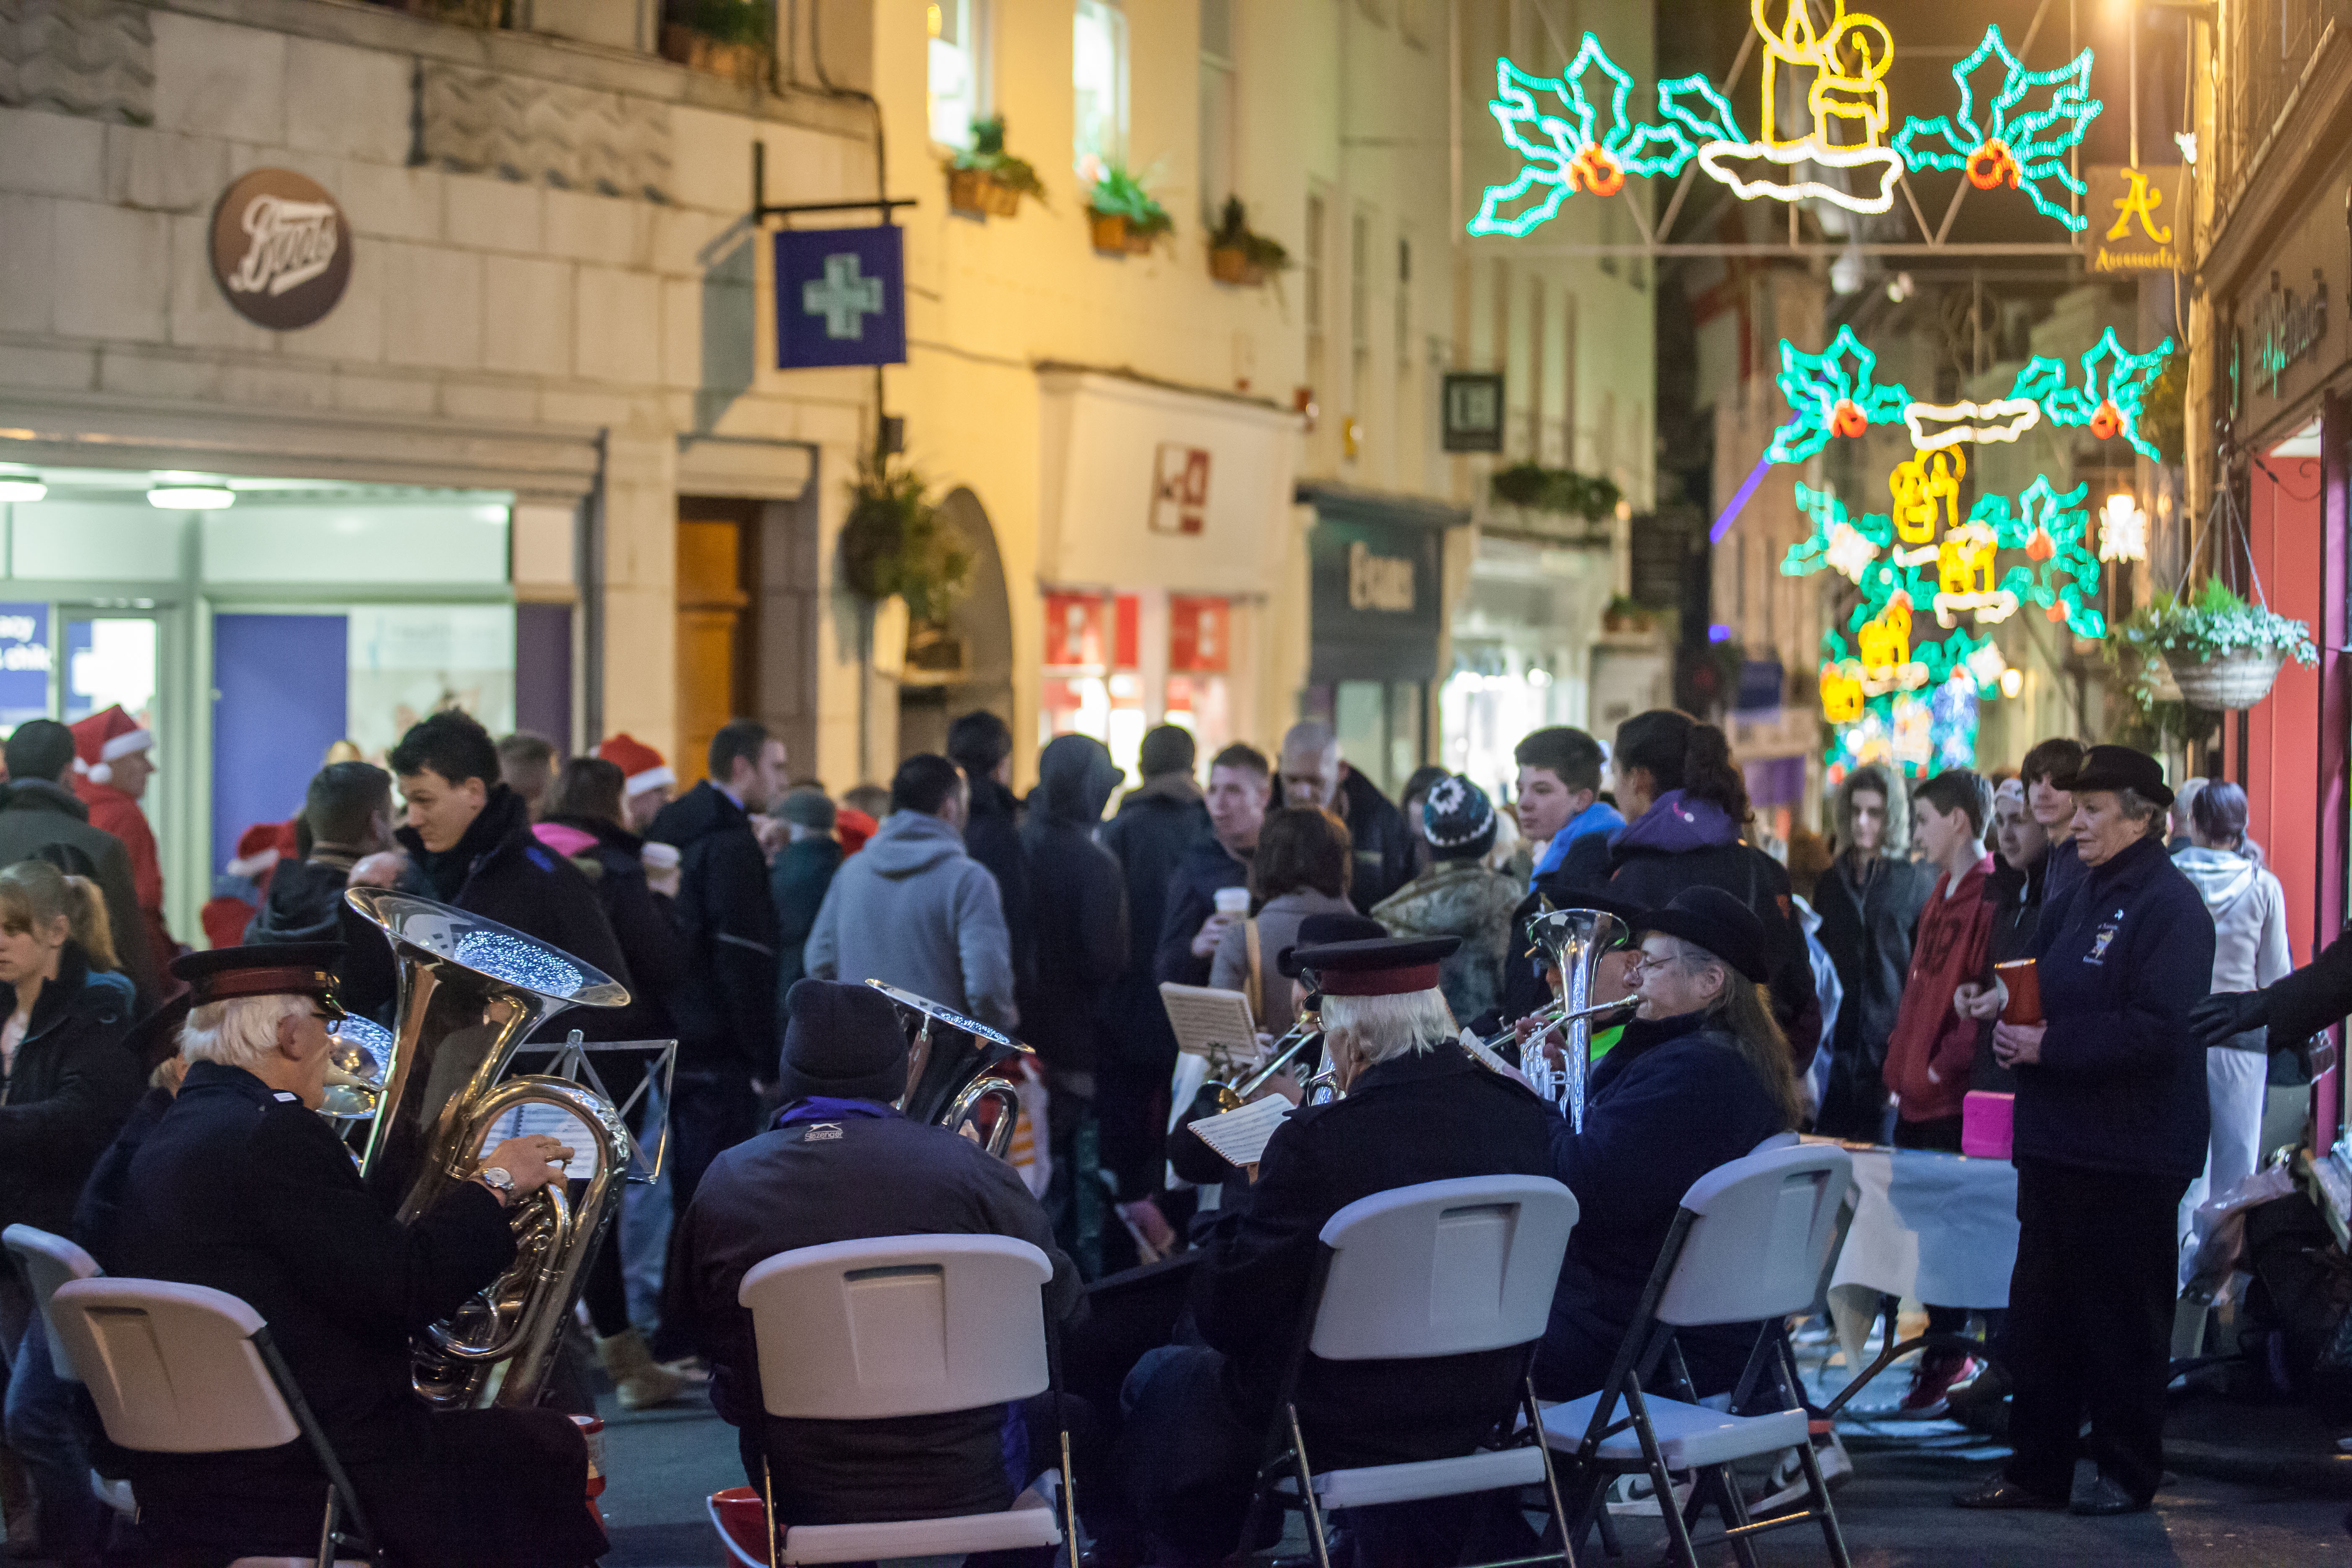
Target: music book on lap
[{"x": 1241, "y": 1136}]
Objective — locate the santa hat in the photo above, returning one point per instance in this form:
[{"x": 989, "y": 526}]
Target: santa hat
[
  {"x": 639, "y": 763},
  {"x": 102, "y": 737}
]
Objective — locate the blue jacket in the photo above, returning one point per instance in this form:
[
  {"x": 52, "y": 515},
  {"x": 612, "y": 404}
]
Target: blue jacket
[{"x": 2124, "y": 954}]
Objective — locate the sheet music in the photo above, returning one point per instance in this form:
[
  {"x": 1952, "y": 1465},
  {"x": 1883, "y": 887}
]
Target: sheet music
[
  {"x": 1241, "y": 1136},
  {"x": 1210, "y": 1023}
]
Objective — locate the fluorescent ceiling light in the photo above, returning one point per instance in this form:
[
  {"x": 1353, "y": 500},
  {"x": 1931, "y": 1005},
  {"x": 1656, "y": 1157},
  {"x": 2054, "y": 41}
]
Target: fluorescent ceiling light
[
  {"x": 18, "y": 485},
  {"x": 191, "y": 498}
]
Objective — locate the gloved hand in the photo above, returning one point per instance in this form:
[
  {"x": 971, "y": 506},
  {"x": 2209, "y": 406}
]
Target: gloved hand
[{"x": 2228, "y": 1013}]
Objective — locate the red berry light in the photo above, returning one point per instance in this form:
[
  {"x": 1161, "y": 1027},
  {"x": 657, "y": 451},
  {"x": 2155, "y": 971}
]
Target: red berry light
[
  {"x": 1848, "y": 419},
  {"x": 1596, "y": 172},
  {"x": 1992, "y": 166},
  {"x": 2106, "y": 422}
]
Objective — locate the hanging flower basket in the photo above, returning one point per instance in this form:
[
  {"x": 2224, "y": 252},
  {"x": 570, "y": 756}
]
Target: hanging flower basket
[
  {"x": 2231, "y": 681},
  {"x": 986, "y": 181},
  {"x": 2220, "y": 652},
  {"x": 1110, "y": 233}
]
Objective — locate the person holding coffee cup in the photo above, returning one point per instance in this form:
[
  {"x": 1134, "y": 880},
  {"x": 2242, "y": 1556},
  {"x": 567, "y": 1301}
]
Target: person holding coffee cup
[{"x": 2111, "y": 1128}]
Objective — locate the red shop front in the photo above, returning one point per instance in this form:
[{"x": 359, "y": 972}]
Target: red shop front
[{"x": 2282, "y": 375}]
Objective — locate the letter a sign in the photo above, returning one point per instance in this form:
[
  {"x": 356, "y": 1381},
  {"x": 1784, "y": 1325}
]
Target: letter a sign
[{"x": 840, "y": 298}]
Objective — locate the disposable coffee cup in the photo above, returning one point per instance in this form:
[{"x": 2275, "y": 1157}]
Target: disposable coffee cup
[
  {"x": 1233, "y": 901},
  {"x": 2024, "y": 983}
]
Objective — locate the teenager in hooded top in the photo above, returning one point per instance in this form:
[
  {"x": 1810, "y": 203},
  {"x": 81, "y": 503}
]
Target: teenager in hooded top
[{"x": 1687, "y": 812}]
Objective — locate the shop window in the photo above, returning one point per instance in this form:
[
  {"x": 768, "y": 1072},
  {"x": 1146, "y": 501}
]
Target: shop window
[
  {"x": 106, "y": 541},
  {"x": 1098, "y": 81},
  {"x": 1199, "y": 652},
  {"x": 958, "y": 73},
  {"x": 1378, "y": 723},
  {"x": 1092, "y": 685},
  {"x": 1217, "y": 108},
  {"x": 426, "y": 542}
]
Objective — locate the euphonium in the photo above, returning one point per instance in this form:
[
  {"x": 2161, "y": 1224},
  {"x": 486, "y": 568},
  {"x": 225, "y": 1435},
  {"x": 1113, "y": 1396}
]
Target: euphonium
[
  {"x": 470, "y": 990},
  {"x": 1573, "y": 941},
  {"x": 955, "y": 1072}
]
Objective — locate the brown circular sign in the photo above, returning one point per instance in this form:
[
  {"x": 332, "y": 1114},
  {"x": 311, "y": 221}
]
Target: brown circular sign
[{"x": 281, "y": 248}]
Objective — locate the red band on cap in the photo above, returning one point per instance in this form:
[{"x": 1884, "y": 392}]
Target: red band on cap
[
  {"x": 263, "y": 983},
  {"x": 1378, "y": 981}
]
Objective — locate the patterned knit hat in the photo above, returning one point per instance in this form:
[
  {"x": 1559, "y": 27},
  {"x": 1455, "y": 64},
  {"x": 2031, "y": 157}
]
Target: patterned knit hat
[
  {"x": 640, "y": 764},
  {"x": 103, "y": 737},
  {"x": 1455, "y": 815}
]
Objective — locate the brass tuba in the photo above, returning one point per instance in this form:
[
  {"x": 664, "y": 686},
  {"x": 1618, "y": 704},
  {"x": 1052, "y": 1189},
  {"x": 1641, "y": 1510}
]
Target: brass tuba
[
  {"x": 956, "y": 1065},
  {"x": 1573, "y": 941},
  {"x": 470, "y": 990}
]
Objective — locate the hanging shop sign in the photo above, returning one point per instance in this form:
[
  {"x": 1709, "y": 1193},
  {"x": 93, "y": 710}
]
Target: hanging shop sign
[
  {"x": 1473, "y": 405},
  {"x": 2013, "y": 129},
  {"x": 841, "y": 297},
  {"x": 281, "y": 248},
  {"x": 2132, "y": 212}
]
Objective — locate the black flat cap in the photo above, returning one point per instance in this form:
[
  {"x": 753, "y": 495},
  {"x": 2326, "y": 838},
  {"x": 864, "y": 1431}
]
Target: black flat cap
[
  {"x": 1714, "y": 920},
  {"x": 1322, "y": 931},
  {"x": 2120, "y": 767}
]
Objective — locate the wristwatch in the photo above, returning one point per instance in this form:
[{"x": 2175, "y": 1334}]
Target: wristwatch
[{"x": 499, "y": 1179}]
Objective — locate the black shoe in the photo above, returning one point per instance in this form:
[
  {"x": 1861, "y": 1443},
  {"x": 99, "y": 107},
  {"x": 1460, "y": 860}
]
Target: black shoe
[
  {"x": 2108, "y": 1497},
  {"x": 1999, "y": 1494}
]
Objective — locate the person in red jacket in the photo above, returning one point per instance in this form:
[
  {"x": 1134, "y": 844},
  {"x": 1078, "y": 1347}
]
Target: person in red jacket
[
  {"x": 1932, "y": 1048},
  {"x": 113, "y": 759}
]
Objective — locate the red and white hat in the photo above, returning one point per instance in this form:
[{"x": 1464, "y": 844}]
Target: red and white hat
[
  {"x": 102, "y": 737},
  {"x": 639, "y": 763}
]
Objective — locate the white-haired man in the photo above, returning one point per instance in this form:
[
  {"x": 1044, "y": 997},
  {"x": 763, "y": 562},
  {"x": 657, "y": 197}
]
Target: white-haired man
[
  {"x": 241, "y": 1187},
  {"x": 1416, "y": 1109}
]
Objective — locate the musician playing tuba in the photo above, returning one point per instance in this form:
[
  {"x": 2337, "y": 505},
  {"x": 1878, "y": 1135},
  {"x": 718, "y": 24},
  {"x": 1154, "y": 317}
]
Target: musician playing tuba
[
  {"x": 241, "y": 1187},
  {"x": 839, "y": 1161}
]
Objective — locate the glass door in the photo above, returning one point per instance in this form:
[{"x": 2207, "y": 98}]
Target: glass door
[{"x": 114, "y": 658}]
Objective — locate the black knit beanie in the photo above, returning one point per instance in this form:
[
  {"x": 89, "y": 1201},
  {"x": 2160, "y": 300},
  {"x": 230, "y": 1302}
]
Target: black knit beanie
[{"x": 843, "y": 1041}]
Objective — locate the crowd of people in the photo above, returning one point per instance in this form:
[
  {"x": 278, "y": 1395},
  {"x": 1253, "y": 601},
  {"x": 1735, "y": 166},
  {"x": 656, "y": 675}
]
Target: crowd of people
[{"x": 1852, "y": 991}]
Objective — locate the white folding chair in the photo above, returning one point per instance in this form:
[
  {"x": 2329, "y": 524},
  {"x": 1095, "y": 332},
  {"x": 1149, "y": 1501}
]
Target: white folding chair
[
  {"x": 183, "y": 1369},
  {"x": 896, "y": 1326},
  {"x": 1437, "y": 1269},
  {"x": 49, "y": 1261},
  {"x": 1748, "y": 1244}
]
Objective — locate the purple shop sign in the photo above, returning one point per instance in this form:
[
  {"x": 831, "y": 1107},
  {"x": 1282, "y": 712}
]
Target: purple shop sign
[{"x": 23, "y": 663}]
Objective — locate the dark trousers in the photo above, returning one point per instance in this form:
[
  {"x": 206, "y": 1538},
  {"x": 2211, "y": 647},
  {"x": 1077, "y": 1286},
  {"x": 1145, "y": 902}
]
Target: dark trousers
[
  {"x": 51, "y": 1424},
  {"x": 1131, "y": 1103},
  {"x": 710, "y": 1113},
  {"x": 2090, "y": 1324}
]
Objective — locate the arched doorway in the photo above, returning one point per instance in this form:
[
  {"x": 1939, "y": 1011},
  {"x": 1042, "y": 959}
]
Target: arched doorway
[{"x": 967, "y": 664}]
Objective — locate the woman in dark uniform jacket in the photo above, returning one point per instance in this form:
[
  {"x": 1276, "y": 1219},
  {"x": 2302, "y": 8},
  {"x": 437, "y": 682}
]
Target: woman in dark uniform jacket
[
  {"x": 2111, "y": 1128},
  {"x": 1700, "y": 1077}
]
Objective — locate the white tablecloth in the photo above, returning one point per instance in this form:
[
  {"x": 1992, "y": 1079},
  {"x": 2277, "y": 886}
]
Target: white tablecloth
[{"x": 1939, "y": 1229}]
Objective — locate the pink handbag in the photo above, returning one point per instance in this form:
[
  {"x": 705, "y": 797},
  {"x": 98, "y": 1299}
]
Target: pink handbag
[{"x": 1988, "y": 1124}]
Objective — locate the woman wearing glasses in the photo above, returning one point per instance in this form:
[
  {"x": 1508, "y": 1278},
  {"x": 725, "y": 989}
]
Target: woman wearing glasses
[{"x": 1701, "y": 1077}]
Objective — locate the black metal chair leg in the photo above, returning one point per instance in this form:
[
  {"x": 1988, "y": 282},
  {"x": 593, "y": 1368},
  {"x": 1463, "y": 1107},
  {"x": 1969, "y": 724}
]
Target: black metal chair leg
[
  {"x": 1306, "y": 1499},
  {"x": 1830, "y": 1534}
]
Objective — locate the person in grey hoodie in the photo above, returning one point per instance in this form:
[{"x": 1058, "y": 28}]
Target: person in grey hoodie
[
  {"x": 913, "y": 911},
  {"x": 2250, "y": 951}
]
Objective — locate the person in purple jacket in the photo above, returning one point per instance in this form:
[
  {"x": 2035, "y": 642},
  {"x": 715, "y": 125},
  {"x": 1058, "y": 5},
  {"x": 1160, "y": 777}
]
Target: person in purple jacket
[{"x": 2111, "y": 1129}]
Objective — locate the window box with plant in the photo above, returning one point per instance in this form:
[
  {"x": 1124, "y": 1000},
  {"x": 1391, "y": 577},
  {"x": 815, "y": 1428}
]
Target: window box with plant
[
  {"x": 986, "y": 180},
  {"x": 1239, "y": 255},
  {"x": 730, "y": 38},
  {"x": 2224, "y": 653},
  {"x": 1125, "y": 218}
]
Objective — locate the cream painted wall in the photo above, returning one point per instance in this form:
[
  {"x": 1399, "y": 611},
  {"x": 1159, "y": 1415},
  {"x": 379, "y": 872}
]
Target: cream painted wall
[{"x": 987, "y": 301}]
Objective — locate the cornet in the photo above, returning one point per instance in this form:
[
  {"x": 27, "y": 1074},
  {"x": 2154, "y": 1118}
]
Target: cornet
[{"x": 1281, "y": 1055}]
